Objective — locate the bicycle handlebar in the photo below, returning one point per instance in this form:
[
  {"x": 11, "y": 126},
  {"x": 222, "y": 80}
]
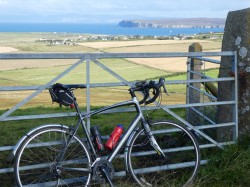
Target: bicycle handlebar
[
  {"x": 141, "y": 86},
  {"x": 145, "y": 87}
]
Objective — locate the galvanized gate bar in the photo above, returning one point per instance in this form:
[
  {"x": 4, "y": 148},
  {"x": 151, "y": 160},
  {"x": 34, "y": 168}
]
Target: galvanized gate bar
[
  {"x": 110, "y": 55},
  {"x": 235, "y": 110},
  {"x": 8, "y": 148},
  {"x": 111, "y": 72},
  {"x": 70, "y": 114},
  {"x": 203, "y": 92},
  {"x": 200, "y": 74},
  {"x": 10, "y": 111},
  {"x": 22, "y": 88},
  {"x": 88, "y": 91},
  {"x": 192, "y": 127},
  {"x": 208, "y": 60},
  {"x": 202, "y": 115},
  {"x": 93, "y": 85},
  {"x": 18, "y": 88},
  {"x": 199, "y": 104}
]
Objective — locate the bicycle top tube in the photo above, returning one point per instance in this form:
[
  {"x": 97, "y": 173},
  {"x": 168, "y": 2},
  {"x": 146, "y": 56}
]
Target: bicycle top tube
[{"x": 134, "y": 102}]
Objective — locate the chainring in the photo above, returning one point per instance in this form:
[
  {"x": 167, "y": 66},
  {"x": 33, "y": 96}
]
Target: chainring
[{"x": 98, "y": 173}]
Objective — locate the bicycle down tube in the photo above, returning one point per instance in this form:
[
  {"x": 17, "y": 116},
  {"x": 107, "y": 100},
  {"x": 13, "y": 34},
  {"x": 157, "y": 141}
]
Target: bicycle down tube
[{"x": 131, "y": 127}]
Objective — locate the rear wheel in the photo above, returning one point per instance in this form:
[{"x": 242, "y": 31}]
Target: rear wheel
[
  {"x": 42, "y": 160},
  {"x": 182, "y": 156}
]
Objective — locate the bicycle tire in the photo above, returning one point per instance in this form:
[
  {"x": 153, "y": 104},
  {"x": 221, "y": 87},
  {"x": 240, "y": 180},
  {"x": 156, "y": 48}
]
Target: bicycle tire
[
  {"x": 36, "y": 164},
  {"x": 182, "y": 161}
]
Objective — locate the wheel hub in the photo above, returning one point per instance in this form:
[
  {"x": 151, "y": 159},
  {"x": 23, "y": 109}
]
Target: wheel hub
[{"x": 56, "y": 170}]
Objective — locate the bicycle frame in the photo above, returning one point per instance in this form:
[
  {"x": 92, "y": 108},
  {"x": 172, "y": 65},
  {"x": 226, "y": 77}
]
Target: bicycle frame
[{"x": 139, "y": 117}]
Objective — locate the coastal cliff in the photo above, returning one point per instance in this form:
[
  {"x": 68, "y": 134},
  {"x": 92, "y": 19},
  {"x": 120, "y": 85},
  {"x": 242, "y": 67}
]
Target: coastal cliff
[{"x": 175, "y": 23}]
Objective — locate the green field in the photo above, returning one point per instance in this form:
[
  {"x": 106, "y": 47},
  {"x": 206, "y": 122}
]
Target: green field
[{"x": 39, "y": 76}]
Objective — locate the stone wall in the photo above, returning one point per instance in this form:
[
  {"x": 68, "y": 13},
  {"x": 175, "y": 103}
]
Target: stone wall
[{"x": 236, "y": 38}]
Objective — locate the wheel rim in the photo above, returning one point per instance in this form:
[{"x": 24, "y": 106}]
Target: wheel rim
[
  {"x": 150, "y": 169},
  {"x": 38, "y": 161}
]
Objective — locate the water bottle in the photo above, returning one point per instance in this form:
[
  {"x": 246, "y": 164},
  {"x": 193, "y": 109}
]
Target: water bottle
[
  {"x": 114, "y": 137},
  {"x": 97, "y": 139}
]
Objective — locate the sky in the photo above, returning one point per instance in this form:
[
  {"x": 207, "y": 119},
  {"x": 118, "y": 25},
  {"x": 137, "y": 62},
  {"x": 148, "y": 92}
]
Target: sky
[{"x": 113, "y": 11}]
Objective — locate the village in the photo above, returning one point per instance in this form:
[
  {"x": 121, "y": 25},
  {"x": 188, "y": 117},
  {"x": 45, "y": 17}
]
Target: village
[{"x": 73, "y": 39}]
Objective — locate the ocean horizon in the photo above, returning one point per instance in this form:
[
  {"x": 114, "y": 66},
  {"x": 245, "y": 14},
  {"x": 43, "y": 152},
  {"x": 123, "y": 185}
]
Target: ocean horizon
[{"x": 102, "y": 29}]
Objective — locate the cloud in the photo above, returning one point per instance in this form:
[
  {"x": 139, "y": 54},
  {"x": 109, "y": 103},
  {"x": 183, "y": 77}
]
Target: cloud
[{"x": 107, "y": 10}]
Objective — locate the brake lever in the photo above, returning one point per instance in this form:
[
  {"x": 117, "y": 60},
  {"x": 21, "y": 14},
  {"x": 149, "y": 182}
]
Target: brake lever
[{"x": 164, "y": 89}]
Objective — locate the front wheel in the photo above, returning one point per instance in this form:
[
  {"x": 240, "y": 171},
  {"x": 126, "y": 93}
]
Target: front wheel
[
  {"x": 182, "y": 156},
  {"x": 48, "y": 158}
]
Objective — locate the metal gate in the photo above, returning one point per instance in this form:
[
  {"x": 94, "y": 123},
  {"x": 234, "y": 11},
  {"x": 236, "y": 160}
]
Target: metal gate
[{"x": 195, "y": 88}]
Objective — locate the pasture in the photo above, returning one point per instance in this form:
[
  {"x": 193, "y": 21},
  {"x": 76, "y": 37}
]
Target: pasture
[
  {"x": 152, "y": 46},
  {"x": 39, "y": 72}
]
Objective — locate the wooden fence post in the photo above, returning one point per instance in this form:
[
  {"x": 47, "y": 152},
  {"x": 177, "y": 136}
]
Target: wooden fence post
[{"x": 193, "y": 96}]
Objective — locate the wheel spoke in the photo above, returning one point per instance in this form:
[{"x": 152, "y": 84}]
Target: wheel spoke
[
  {"x": 37, "y": 162},
  {"x": 181, "y": 162}
]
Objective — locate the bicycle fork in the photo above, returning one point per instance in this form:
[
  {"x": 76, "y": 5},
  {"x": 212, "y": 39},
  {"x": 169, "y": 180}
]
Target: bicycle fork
[
  {"x": 153, "y": 141},
  {"x": 156, "y": 146}
]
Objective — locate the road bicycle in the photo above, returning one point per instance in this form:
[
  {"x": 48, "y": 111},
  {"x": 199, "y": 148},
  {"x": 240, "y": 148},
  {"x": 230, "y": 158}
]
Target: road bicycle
[{"x": 155, "y": 153}]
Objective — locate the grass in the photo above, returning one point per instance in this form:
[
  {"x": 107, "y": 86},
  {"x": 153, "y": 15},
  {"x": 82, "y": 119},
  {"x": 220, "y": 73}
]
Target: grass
[
  {"x": 42, "y": 75},
  {"x": 38, "y": 47},
  {"x": 229, "y": 167}
]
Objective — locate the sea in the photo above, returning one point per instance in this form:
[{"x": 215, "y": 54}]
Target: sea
[{"x": 102, "y": 29}]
